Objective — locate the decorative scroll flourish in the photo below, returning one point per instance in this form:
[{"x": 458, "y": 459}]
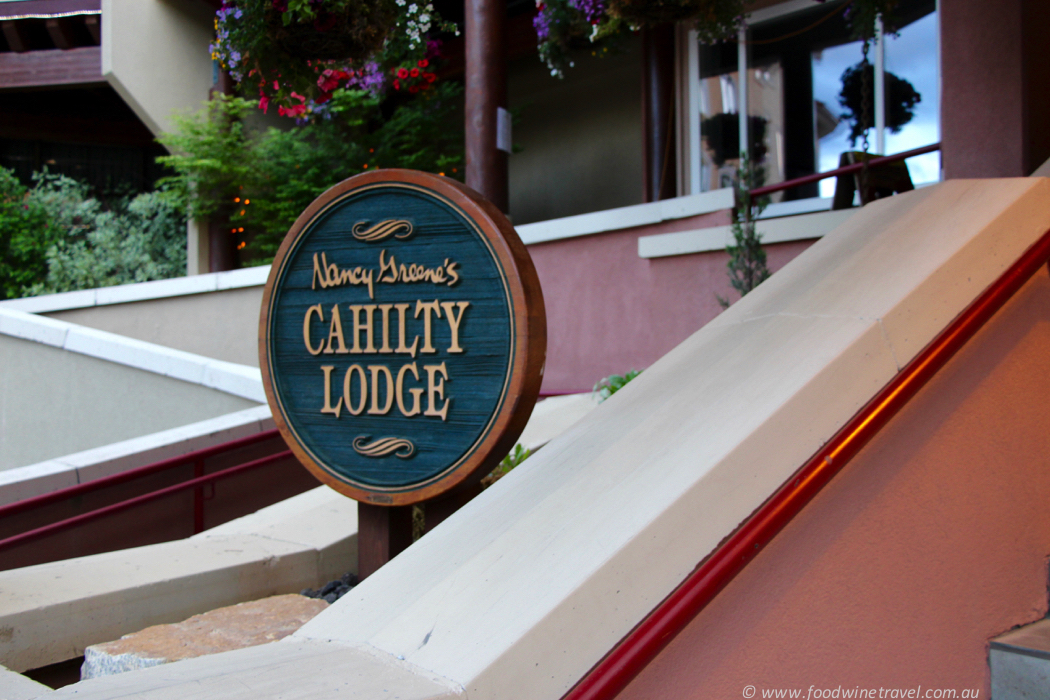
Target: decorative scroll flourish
[
  {"x": 384, "y": 446},
  {"x": 398, "y": 228}
]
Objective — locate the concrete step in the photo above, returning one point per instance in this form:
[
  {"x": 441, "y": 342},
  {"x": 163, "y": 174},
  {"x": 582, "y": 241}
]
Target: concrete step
[{"x": 1020, "y": 663}]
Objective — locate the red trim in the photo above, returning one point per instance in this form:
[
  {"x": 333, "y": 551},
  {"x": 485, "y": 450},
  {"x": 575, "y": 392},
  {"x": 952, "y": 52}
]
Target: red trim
[
  {"x": 39, "y": 532},
  {"x": 845, "y": 170},
  {"x": 130, "y": 474},
  {"x": 644, "y": 642}
]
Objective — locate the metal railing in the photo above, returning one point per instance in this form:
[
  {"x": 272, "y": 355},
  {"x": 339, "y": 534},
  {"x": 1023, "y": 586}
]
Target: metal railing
[
  {"x": 845, "y": 170},
  {"x": 198, "y": 482}
]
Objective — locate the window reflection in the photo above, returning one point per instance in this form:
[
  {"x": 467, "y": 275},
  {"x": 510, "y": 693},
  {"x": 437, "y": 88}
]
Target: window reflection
[{"x": 801, "y": 120}]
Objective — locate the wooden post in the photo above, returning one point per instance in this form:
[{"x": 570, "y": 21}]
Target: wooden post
[
  {"x": 486, "y": 86},
  {"x": 658, "y": 148},
  {"x": 383, "y": 532}
]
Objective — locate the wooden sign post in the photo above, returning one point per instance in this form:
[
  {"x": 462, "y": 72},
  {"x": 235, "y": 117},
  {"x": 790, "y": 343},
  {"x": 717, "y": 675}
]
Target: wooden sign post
[{"x": 402, "y": 339}]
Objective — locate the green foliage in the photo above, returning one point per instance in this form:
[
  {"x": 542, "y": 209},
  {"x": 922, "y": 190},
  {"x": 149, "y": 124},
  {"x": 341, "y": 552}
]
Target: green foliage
[
  {"x": 516, "y": 457},
  {"x": 613, "y": 383},
  {"x": 213, "y": 157},
  {"x": 26, "y": 232},
  {"x": 136, "y": 240},
  {"x": 263, "y": 182},
  {"x": 747, "y": 258},
  {"x": 901, "y": 98},
  {"x": 862, "y": 15}
]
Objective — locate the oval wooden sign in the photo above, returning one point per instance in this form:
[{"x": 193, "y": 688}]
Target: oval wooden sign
[{"x": 402, "y": 337}]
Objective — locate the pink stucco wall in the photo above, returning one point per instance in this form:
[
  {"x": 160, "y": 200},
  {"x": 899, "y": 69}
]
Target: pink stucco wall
[
  {"x": 609, "y": 311},
  {"x": 933, "y": 540}
]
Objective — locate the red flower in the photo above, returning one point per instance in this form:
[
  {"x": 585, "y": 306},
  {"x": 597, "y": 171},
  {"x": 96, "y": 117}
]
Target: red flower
[
  {"x": 414, "y": 72},
  {"x": 325, "y": 96},
  {"x": 327, "y": 84},
  {"x": 414, "y": 89},
  {"x": 423, "y": 63},
  {"x": 296, "y": 111},
  {"x": 431, "y": 77},
  {"x": 402, "y": 73},
  {"x": 397, "y": 84}
]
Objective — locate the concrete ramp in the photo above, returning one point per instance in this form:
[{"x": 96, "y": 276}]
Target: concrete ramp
[{"x": 525, "y": 589}]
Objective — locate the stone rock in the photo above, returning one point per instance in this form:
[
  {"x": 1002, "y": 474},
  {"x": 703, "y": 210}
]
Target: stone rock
[{"x": 224, "y": 629}]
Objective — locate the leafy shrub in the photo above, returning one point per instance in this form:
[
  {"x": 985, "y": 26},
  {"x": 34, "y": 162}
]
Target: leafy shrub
[
  {"x": 613, "y": 383},
  {"x": 26, "y": 232},
  {"x": 136, "y": 240},
  {"x": 263, "y": 181}
]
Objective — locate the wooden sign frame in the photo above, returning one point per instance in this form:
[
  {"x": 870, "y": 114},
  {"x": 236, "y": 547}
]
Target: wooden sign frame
[{"x": 528, "y": 342}]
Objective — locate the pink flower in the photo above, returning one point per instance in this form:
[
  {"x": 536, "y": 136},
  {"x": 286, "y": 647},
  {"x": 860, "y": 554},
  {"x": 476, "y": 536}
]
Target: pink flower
[
  {"x": 264, "y": 103},
  {"x": 298, "y": 97},
  {"x": 296, "y": 111}
]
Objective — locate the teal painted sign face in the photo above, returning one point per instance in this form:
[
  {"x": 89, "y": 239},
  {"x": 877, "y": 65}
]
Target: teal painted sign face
[{"x": 391, "y": 337}]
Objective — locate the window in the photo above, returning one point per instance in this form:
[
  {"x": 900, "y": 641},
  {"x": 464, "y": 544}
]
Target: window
[{"x": 802, "y": 92}]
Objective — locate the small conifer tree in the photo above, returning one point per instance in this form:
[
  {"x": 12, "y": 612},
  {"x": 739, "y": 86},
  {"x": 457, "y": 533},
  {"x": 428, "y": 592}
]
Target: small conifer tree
[{"x": 747, "y": 259}]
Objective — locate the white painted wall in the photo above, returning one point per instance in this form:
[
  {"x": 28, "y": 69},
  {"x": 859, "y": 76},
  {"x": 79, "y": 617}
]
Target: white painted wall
[
  {"x": 527, "y": 586},
  {"x": 155, "y": 55},
  {"x": 55, "y": 402}
]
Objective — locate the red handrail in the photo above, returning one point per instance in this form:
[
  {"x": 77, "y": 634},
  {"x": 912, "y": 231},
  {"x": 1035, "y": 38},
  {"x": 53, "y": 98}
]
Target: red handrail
[
  {"x": 626, "y": 660},
  {"x": 845, "y": 170},
  {"x": 130, "y": 474},
  {"x": 39, "y": 532}
]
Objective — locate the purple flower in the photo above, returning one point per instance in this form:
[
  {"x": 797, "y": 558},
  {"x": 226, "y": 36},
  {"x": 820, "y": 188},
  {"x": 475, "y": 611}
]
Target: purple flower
[
  {"x": 592, "y": 10},
  {"x": 542, "y": 23}
]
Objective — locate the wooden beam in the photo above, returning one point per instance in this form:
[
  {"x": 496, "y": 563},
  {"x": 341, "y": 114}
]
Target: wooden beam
[
  {"x": 61, "y": 33},
  {"x": 45, "y": 8},
  {"x": 658, "y": 151},
  {"x": 486, "y": 91},
  {"x": 15, "y": 35},
  {"x": 80, "y": 66},
  {"x": 23, "y": 126},
  {"x": 94, "y": 28},
  {"x": 520, "y": 42}
]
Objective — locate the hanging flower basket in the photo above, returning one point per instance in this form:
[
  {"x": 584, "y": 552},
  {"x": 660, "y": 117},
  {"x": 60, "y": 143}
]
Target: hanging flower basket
[
  {"x": 353, "y": 32},
  {"x": 562, "y": 25},
  {"x": 714, "y": 18},
  {"x": 296, "y": 53}
]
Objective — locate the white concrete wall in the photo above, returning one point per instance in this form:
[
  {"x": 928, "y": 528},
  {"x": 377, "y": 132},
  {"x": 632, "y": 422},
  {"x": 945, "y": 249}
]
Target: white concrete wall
[
  {"x": 51, "y": 612},
  {"x": 80, "y": 467},
  {"x": 155, "y": 55},
  {"x": 223, "y": 325},
  {"x": 527, "y": 586},
  {"x": 56, "y": 402}
]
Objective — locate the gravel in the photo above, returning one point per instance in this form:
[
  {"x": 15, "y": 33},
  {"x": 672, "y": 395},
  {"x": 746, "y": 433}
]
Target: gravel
[{"x": 333, "y": 590}]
